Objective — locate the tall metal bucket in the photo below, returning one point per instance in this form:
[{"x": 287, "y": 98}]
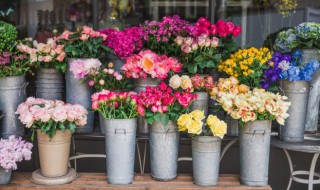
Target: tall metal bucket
[
  {"x": 206, "y": 160},
  {"x": 164, "y": 147},
  {"x": 50, "y": 84},
  {"x": 118, "y": 62},
  {"x": 79, "y": 92},
  {"x": 5, "y": 176},
  {"x": 140, "y": 85},
  {"x": 201, "y": 103},
  {"x": 120, "y": 139},
  {"x": 314, "y": 94},
  {"x": 254, "y": 142},
  {"x": 297, "y": 93},
  {"x": 12, "y": 93},
  {"x": 233, "y": 126}
]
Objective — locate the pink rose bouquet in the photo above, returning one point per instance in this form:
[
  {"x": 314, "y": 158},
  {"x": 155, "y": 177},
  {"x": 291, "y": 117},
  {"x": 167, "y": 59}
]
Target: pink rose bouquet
[
  {"x": 115, "y": 105},
  {"x": 85, "y": 67},
  {"x": 14, "y": 150},
  {"x": 50, "y": 116},
  {"x": 255, "y": 105},
  {"x": 124, "y": 43},
  {"x": 48, "y": 55},
  {"x": 162, "y": 104},
  {"x": 86, "y": 43},
  {"x": 196, "y": 83},
  {"x": 109, "y": 79},
  {"x": 148, "y": 63}
]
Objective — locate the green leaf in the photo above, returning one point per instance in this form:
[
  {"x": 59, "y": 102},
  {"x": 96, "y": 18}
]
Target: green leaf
[
  {"x": 149, "y": 120},
  {"x": 217, "y": 58},
  {"x": 157, "y": 116},
  {"x": 199, "y": 58},
  {"x": 149, "y": 114},
  {"x": 62, "y": 127},
  {"x": 192, "y": 68},
  {"x": 165, "y": 119}
]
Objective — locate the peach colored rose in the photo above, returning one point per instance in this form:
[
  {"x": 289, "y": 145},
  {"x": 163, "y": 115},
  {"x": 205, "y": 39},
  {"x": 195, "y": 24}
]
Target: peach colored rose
[{"x": 175, "y": 82}]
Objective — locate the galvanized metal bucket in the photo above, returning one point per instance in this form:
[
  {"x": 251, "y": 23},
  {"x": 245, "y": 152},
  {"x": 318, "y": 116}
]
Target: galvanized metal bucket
[
  {"x": 120, "y": 139},
  {"x": 118, "y": 62},
  {"x": 5, "y": 176},
  {"x": 233, "y": 126},
  {"x": 50, "y": 84},
  {"x": 79, "y": 92},
  {"x": 254, "y": 144},
  {"x": 12, "y": 93},
  {"x": 314, "y": 94},
  {"x": 201, "y": 103},
  {"x": 140, "y": 85},
  {"x": 297, "y": 93},
  {"x": 164, "y": 147},
  {"x": 206, "y": 160}
]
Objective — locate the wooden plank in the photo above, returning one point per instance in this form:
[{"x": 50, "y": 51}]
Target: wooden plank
[{"x": 95, "y": 181}]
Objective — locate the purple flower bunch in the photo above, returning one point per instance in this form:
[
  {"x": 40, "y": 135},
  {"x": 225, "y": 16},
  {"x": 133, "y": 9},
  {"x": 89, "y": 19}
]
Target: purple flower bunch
[
  {"x": 275, "y": 66},
  {"x": 124, "y": 43},
  {"x": 14, "y": 150},
  {"x": 5, "y": 58}
]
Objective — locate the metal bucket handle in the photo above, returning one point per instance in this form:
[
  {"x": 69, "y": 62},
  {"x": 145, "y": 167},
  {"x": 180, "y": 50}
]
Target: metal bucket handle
[
  {"x": 263, "y": 132},
  {"x": 24, "y": 87},
  {"x": 165, "y": 137},
  {"x": 124, "y": 131}
]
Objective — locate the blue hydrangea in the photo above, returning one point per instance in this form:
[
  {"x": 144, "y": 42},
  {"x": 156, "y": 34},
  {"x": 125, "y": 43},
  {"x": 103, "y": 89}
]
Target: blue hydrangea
[
  {"x": 307, "y": 30},
  {"x": 286, "y": 41}
]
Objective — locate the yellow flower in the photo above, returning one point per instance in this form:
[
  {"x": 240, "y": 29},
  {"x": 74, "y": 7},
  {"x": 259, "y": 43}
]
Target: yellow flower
[
  {"x": 186, "y": 82},
  {"x": 271, "y": 63},
  {"x": 197, "y": 114},
  {"x": 212, "y": 120},
  {"x": 194, "y": 126},
  {"x": 183, "y": 121},
  {"x": 219, "y": 129}
]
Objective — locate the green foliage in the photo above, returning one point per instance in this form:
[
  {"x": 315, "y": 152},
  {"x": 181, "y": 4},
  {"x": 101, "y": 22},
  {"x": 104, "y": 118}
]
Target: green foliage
[{"x": 8, "y": 35}]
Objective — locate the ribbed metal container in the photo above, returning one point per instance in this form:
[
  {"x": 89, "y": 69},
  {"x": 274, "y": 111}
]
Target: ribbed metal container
[
  {"x": 117, "y": 61},
  {"x": 12, "y": 93},
  {"x": 120, "y": 139},
  {"x": 206, "y": 160},
  {"x": 5, "y": 176},
  {"x": 164, "y": 147},
  {"x": 233, "y": 126},
  {"x": 50, "y": 84},
  {"x": 79, "y": 92},
  {"x": 201, "y": 103},
  {"x": 294, "y": 127},
  {"x": 314, "y": 94},
  {"x": 140, "y": 85},
  {"x": 254, "y": 144}
]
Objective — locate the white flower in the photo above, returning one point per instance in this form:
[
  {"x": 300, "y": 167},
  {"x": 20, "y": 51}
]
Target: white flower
[{"x": 284, "y": 65}]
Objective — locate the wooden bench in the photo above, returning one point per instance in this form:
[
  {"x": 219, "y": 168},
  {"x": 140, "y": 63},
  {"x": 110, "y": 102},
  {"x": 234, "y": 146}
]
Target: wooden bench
[{"x": 141, "y": 182}]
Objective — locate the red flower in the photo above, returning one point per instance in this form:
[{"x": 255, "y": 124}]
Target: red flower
[
  {"x": 103, "y": 97},
  {"x": 236, "y": 31},
  {"x": 141, "y": 110},
  {"x": 230, "y": 27},
  {"x": 163, "y": 86},
  {"x": 168, "y": 101},
  {"x": 214, "y": 30}
]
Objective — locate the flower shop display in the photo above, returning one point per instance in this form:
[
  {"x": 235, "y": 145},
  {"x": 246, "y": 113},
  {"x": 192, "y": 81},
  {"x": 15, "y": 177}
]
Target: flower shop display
[
  {"x": 255, "y": 110},
  {"x": 118, "y": 121},
  {"x": 159, "y": 36},
  {"x": 109, "y": 79},
  {"x": 13, "y": 67},
  {"x": 224, "y": 86},
  {"x": 54, "y": 122},
  {"x": 12, "y": 150},
  {"x": 148, "y": 69},
  {"x": 206, "y": 147},
  {"x": 123, "y": 43},
  {"x": 198, "y": 84},
  {"x": 83, "y": 48},
  {"x": 247, "y": 65},
  {"x": 49, "y": 59},
  {"x": 162, "y": 107}
]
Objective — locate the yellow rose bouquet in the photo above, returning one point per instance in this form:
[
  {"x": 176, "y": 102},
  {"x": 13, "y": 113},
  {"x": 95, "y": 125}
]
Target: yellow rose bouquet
[
  {"x": 192, "y": 123},
  {"x": 247, "y": 65},
  {"x": 255, "y": 105}
]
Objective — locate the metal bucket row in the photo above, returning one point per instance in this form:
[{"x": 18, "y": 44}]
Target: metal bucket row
[{"x": 50, "y": 84}]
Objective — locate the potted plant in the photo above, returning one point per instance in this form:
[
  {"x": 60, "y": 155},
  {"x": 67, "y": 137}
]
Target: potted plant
[
  {"x": 14, "y": 65},
  {"x": 118, "y": 113},
  {"x": 123, "y": 43},
  {"x": 162, "y": 108},
  {"x": 148, "y": 69},
  {"x": 198, "y": 84},
  {"x": 83, "y": 49},
  {"x": 54, "y": 122},
  {"x": 220, "y": 89},
  {"x": 49, "y": 58},
  {"x": 295, "y": 84},
  {"x": 206, "y": 145},
  {"x": 304, "y": 37},
  {"x": 12, "y": 150},
  {"x": 255, "y": 110}
]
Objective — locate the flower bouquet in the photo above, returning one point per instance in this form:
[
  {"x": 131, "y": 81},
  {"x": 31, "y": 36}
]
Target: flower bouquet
[
  {"x": 54, "y": 122},
  {"x": 118, "y": 120},
  {"x": 12, "y": 150},
  {"x": 247, "y": 65},
  {"x": 109, "y": 79},
  {"x": 196, "y": 83}
]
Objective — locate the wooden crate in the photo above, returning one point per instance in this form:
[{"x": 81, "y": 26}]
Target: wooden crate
[{"x": 141, "y": 182}]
